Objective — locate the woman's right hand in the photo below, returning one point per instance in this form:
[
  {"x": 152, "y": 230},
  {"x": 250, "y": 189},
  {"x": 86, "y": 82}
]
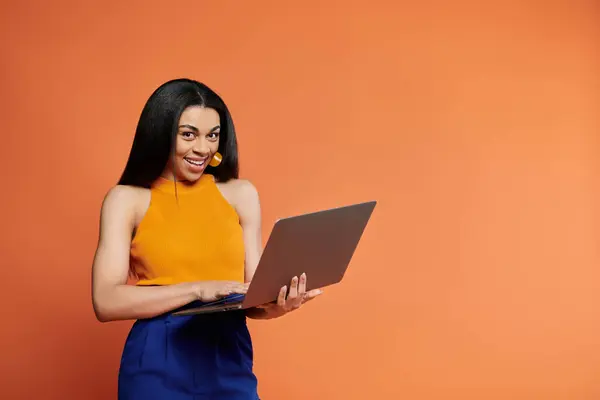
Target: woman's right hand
[{"x": 214, "y": 290}]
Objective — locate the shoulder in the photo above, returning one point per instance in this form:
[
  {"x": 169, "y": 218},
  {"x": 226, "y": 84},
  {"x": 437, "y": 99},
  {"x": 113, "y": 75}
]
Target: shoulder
[
  {"x": 244, "y": 189},
  {"x": 240, "y": 190},
  {"x": 243, "y": 196},
  {"x": 124, "y": 201},
  {"x": 123, "y": 196}
]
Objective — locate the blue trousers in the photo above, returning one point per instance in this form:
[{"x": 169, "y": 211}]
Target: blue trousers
[{"x": 198, "y": 357}]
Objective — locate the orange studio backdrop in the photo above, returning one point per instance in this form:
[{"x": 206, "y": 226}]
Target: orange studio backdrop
[{"x": 474, "y": 124}]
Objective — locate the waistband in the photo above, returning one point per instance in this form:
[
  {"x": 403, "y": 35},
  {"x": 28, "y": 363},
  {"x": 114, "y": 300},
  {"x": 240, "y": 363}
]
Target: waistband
[{"x": 234, "y": 298}]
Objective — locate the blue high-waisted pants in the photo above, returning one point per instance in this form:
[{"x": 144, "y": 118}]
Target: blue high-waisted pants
[{"x": 197, "y": 357}]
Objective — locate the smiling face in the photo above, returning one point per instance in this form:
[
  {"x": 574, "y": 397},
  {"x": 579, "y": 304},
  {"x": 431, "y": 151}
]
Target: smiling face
[{"x": 196, "y": 142}]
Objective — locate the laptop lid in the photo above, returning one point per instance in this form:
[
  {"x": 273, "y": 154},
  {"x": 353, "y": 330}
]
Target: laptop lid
[{"x": 320, "y": 244}]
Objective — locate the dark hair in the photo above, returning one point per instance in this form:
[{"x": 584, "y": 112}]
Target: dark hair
[{"x": 157, "y": 129}]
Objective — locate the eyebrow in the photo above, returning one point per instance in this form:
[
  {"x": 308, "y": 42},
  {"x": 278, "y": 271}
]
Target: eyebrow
[{"x": 192, "y": 127}]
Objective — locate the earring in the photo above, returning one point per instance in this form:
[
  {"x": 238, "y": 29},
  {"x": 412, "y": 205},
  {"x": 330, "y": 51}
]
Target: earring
[{"x": 216, "y": 160}]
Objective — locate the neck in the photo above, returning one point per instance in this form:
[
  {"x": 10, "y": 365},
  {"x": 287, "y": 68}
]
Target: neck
[
  {"x": 169, "y": 175},
  {"x": 170, "y": 183}
]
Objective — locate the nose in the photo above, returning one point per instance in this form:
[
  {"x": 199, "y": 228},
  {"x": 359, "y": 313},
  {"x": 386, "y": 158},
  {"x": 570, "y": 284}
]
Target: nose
[{"x": 201, "y": 147}]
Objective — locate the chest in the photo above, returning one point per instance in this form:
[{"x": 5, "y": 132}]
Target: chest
[{"x": 189, "y": 233}]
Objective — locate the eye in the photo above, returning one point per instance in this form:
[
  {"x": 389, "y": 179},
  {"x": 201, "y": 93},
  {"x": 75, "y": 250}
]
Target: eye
[
  {"x": 188, "y": 135},
  {"x": 213, "y": 135}
]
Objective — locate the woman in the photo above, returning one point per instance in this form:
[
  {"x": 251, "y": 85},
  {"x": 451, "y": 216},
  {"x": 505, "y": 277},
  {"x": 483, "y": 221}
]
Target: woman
[{"x": 182, "y": 223}]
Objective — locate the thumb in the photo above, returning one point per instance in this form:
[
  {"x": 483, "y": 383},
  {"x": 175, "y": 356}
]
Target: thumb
[{"x": 313, "y": 293}]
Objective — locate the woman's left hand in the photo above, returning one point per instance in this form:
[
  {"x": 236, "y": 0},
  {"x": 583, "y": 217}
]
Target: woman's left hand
[{"x": 295, "y": 299}]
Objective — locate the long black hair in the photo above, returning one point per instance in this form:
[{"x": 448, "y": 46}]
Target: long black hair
[{"x": 157, "y": 129}]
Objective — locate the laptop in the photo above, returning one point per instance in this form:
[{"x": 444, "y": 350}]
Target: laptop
[{"x": 320, "y": 244}]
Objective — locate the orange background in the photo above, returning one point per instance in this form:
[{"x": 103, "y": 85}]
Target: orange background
[{"x": 476, "y": 128}]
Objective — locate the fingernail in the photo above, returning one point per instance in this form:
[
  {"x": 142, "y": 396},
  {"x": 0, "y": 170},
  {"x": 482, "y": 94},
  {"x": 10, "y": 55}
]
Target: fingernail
[{"x": 303, "y": 275}]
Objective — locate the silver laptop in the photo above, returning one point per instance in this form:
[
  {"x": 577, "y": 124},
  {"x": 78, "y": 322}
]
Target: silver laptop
[{"x": 320, "y": 244}]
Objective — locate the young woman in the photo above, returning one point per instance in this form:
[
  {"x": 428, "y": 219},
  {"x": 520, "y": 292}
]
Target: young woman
[{"x": 189, "y": 231}]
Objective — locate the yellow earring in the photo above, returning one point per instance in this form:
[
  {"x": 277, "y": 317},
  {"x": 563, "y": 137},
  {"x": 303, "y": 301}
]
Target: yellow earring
[{"x": 216, "y": 160}]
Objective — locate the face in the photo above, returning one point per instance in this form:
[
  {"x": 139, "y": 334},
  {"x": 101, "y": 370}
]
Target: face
[{"x": 196, "y": 142}]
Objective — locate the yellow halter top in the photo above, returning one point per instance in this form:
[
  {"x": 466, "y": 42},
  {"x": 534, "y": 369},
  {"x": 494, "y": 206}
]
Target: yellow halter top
[{"x": 188, "y": 234}]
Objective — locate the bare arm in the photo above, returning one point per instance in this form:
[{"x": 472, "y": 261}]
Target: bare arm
[
  {"x": 112, "y": 298},
  {"x": 248, "y": 208},
  {"x": 247, "y": 205}
]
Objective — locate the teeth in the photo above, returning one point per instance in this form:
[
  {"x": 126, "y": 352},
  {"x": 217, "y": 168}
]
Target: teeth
[{"x": 197, "y": 163}]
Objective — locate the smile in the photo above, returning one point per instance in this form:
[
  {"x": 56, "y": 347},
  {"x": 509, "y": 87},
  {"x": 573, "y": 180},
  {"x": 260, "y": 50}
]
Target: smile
[{"x": 196, "y": 163}]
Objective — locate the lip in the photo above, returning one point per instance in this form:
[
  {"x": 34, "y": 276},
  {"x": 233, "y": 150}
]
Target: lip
[
  {"x": 191, "y": 163},
  {"x": 199, "y": 159}
]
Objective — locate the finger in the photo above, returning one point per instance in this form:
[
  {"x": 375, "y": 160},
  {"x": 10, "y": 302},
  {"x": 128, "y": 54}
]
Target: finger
[
  {"x": 281, "y": 297},
  {"x": 296, "y": 302},
  {"x": 293, "y": 289},
  {"x": 222, "y": 293},
  {"x": 302, "y": 285},
  {"x": 312, "y": 294},
  {"x": 236, "y": 287},
  {"x": 240, "y": 289}
]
